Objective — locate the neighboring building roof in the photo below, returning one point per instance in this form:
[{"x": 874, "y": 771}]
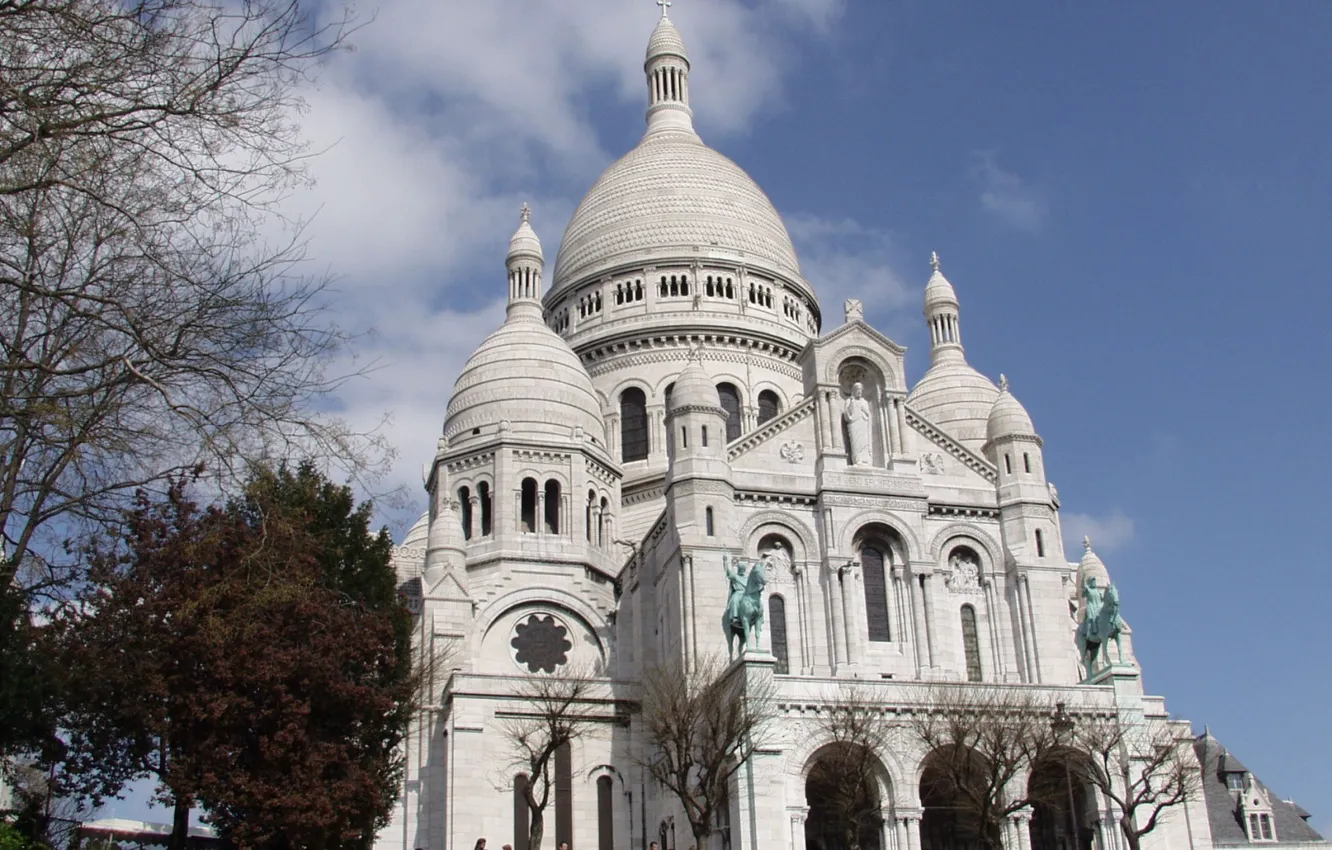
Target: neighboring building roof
[
  {"x": 143, "y": 832},
  {"x": 1227, "y": 830}
]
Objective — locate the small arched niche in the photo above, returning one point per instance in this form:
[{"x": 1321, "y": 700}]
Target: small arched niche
[{"x": 857, "y": 370}]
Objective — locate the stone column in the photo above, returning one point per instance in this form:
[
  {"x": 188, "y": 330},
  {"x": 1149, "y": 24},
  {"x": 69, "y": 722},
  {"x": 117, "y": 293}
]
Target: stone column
[
  {"x": 884, "y": 411},
  {"x": 901, "y": 424},
  {"x": 918, "y": 621},
  {"x": 848, "y": 588},
  {"x": 825, "y": 440},
  {"x": 992, "y": 617},
  {"x": 1024, "y": 585},
  {"x": 798, "y": 818},
  {"x": 930, "y": 635},
  {"x": 834, "y": 404},
  {"x": 835, "y": 615},
  {"x": 1022, "y": 826},
  {"x": 1024, "y": 635},
  {"x": 911, "y": 826}
]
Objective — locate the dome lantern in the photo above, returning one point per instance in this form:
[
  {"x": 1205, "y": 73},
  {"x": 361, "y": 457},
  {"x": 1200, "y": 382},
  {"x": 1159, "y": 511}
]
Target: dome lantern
[
  {"x": 525, "y": 262},
  {"x": 667, "y": 69}
]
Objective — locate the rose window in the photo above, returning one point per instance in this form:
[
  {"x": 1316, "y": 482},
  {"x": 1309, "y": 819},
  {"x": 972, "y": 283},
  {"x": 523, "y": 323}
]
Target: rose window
[{"x": 541, "y": 643}]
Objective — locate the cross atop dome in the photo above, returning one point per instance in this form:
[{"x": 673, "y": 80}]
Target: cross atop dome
[
  {"x": 526, "y": 212},
  {"x": 664, "y": 4},
  {"x": 934, "y": 260}
]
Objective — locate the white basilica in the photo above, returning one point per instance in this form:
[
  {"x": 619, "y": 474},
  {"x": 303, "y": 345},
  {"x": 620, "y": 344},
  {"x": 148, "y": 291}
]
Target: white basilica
[{"x": 675, "y": 395}]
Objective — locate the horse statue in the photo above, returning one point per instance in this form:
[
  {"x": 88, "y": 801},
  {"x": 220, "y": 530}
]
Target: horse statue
[
  {"x": 743, "y": 617},
  {"x": 1100, "y": 624}
]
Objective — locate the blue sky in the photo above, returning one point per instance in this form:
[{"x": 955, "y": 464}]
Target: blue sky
[{"x": 1131, "y": 199}]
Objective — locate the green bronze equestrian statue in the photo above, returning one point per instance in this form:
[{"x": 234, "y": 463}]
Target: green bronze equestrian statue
[{"x": 743, "y": 617}]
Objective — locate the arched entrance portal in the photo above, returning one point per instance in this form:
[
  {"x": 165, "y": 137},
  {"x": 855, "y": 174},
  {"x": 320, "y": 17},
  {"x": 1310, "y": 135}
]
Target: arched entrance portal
[
  {"x": 843, "y": 795},
  {"x": 949, "y": 784},
  {"x": 1058, "y": 786}
]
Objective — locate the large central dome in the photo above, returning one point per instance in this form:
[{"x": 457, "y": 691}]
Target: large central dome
[{"x": 673, "y": 196}]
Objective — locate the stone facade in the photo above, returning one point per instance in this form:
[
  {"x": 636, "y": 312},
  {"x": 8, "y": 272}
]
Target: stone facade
[{"x": 673, "y": 400}]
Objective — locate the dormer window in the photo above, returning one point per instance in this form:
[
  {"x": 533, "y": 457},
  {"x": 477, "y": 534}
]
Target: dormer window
[{"x": 1235, "y": 781}]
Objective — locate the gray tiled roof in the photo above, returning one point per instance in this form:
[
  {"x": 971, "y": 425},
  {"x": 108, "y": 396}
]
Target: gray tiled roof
[{"x": 1226, "y": 828}]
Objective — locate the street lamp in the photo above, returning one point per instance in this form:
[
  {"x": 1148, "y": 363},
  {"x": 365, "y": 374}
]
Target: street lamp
[{"x": 1061, "y": 724}]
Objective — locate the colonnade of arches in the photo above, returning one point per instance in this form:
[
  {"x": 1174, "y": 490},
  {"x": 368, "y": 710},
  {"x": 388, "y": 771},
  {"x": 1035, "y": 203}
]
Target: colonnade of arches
[
  {"x": 635, "y": 424},
  {"x": 849, "y": 808},
  {"x": 541, "y": 510}
]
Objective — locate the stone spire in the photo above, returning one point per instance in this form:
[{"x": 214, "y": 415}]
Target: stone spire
[
  {"x": 942, "y": 313},
  {"x": 667, "y": 69},
  {"x": 525, "y": 263}
]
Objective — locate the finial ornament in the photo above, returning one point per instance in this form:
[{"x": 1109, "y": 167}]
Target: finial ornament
[
  {"x": 1003, "y": 383},
  {"x": 1086, "y": 543},
  {"x": 664, "y": 4},
  {"x": 696, "y": 352},
  {"x": 934, "y": 260},
  {"x": 526, "y": 212}
]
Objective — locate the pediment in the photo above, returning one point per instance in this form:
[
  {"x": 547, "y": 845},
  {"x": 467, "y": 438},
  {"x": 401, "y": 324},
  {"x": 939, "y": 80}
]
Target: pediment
[
  {"x": 948, "y": 456},
  {"x": 786, "y": 442},
  {"x": 449, "y": 589},
  {"x": 862, "y": 331}
]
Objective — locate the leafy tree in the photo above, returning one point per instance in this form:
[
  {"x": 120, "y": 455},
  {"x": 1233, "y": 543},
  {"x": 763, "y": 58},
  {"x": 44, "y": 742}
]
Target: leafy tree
[
  {"x": 248, "y": 658},
  {"x": 27, "y": 681}
]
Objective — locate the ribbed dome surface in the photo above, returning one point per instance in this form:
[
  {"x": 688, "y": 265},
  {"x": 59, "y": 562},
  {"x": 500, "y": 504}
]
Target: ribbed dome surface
[
  {"x": 665, "y": 40},
  {"x": 1091, "y": 566},
  {"x": 939, "y": 291},
  {"x": 672, "y": 196},
  {"x": 1008, "y": 417},
  {"x": 525, "y": 242},
  {"x": 525, "y": 374},
  {"x": 694, "y": 388},
  {"x": 958, "y": 399}
]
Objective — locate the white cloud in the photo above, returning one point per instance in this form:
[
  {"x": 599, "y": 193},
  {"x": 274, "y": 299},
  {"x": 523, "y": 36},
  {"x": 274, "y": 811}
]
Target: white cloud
[
  {"x": 1011, "y": 199},
  {"x": 843, "y": 258},
  {"x": 447, "y": 116},
  {"x": 1107, "y": 533}
]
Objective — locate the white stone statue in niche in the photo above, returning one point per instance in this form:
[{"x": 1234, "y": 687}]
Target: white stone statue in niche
[
  {"x": 856, "y": 413},
  {"x": 965, "y": 577},
  {"x": 776, "y": 560}
]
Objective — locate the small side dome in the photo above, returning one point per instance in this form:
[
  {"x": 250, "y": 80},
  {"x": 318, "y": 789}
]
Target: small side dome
[
  {"x": 525, "y": 242},
  {"x": 1008, "y": 418},
  {"x": 416, "y": 536},
  {"x": 1091, "y": 566},
  {"x": 938, "y": 292},
  {"x": 957, "y": 398},
  {"x": 666, "y": 41},
  {"x": 694, "y": 387}
]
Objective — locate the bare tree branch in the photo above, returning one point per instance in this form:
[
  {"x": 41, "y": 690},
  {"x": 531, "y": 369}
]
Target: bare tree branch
[
  {"x": 153, "y": 317},
  {"x": 702, "y": 726}
]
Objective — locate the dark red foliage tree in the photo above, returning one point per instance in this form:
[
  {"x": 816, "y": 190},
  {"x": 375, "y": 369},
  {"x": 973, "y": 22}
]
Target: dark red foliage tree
[{"x": 253, "y": 659}]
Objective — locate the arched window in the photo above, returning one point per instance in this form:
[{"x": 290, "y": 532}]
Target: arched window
[
  {"x": 1026, "y": 462},
  {"x": 605, "y": 814},
  {"x": 591, "y": 509},
  {"x": 768, "y": 406},
  {"x": 876, "y": 591},
  {"x": 1040, "y": 544},
  {"x": 522, "y": 824},
  {"x": 777, "y": 628},
  {"x": 605, "y": 519},
  {"x": 564, "y": 794},
  {"x": 633, "y": 425},
  {"x": 483, "y": 490},
  {"x": 670, "y": 388},
  {"x": 465, "y": 503},
  {"x": 730, "y": 402},
  {"x": 971, "y": 643},
  {"x": 708, "y": 522},
  {"x": 527, "y": 516},
  {"x": 552, "y": 506},
  {"x": 1008, "y": 464}
]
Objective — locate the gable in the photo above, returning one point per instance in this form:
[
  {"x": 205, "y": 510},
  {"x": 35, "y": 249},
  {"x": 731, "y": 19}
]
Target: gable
[
  {"x": 940, "y": 454},
  {"x": 785, "y": 443}
]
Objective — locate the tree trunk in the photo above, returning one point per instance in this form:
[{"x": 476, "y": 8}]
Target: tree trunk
[
  {"x": 180, "y": 824},
  {"x": 701, "y": 836},
  {"x": 1130, "y": 831},
  {"x": 537, "y": 830}
]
